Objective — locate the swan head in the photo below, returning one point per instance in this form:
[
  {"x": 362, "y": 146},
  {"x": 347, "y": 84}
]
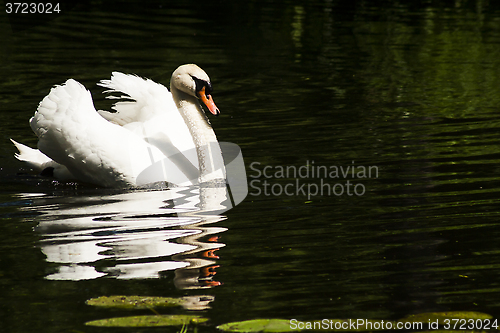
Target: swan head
[{"x": 193, "y": 81}]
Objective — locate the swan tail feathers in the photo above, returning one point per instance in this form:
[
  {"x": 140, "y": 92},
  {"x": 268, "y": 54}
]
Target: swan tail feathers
[
  {"x": 34, "y": 157},
  {"x": 40, "y": 162}
]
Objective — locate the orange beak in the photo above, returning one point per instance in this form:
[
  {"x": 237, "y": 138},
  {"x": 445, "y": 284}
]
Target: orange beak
[{"x": 209, "y": 102}]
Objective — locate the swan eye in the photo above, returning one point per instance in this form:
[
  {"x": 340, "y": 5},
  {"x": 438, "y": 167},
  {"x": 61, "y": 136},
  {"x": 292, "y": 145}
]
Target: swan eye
[{"x": 200, "y": 84}]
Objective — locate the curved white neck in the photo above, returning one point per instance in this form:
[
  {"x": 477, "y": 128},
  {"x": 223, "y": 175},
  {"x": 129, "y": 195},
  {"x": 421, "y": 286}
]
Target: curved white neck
[{"x": 211, "y": 164}]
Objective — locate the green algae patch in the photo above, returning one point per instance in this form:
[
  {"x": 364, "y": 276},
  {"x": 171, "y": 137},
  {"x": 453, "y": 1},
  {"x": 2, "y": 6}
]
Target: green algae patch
[
  {"x": 148, "y": 321},
  {"x": 468, "y": 321},
  {"x": 443, "y": 318},
  {"x": 135, "y": 302},
  {"x": 258, "y": 325}
]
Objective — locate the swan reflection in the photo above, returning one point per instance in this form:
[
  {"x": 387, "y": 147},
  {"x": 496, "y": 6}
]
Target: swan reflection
[{"x": 135, "y": 235}]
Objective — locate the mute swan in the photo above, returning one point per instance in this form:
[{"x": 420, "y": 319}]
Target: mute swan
[{"x": 154, "y": 135}]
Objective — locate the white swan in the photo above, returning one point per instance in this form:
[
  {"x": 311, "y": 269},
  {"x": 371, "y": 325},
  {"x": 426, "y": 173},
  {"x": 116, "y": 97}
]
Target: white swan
[{"x": 154, "y": 135}]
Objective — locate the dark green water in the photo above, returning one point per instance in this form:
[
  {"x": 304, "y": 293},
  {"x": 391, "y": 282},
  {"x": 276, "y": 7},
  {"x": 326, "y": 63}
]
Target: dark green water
[{"x": 411, "y": 88}]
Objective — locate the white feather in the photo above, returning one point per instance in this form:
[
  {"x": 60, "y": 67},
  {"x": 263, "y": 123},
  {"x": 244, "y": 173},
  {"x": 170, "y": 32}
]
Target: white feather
[{"x": 39, "y": 161}]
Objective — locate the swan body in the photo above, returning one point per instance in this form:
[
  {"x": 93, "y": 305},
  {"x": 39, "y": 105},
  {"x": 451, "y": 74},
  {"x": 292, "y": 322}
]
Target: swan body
[{"x": 153, "y": 135}]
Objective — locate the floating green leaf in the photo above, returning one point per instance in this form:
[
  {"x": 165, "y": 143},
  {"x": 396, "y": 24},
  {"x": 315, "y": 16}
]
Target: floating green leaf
[
  {"x": 148, "y": 321},
  {"x": 352, "y": 325},
  {"x": 135, "y": 302},
  {"x": 258, "y": 325},
  {"x": 285, "y": 325}
]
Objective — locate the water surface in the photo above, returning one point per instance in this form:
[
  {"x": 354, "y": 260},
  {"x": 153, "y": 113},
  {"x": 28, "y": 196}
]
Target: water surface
[{"x": 409, "y": 88}]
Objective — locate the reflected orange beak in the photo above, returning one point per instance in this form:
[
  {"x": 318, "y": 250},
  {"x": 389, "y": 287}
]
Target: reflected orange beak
[{"x": 209, "y": 102}]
